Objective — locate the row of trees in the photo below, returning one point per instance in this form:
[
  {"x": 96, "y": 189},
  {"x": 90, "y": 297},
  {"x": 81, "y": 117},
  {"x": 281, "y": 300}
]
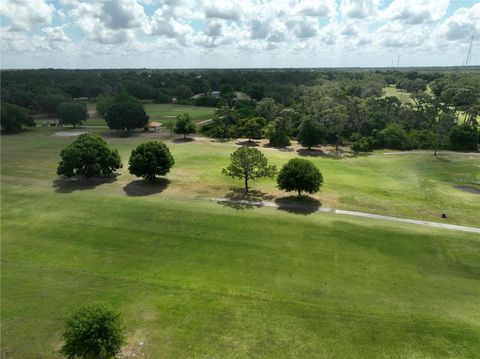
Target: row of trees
[
  {"x": 334, "y": 114},
  {"x": 299, "y": 175},
  {"x": 90, "y": 156}
]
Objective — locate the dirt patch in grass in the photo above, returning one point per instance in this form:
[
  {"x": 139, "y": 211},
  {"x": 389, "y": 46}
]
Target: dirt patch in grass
[
  {"x": 69, "y": 133},
  {"x": 135, "y": 345}
]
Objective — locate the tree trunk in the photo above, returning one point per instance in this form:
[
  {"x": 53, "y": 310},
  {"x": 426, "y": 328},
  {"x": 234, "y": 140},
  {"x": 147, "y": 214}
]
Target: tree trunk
[
  {"x": 299, "y": 193},
  {"x": 246, "y": 184},
  {"x": 184, "y": 136}
]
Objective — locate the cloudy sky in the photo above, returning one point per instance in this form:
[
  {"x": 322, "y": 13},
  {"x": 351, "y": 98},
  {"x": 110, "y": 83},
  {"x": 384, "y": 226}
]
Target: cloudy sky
[{"x": 237, "y": 33}]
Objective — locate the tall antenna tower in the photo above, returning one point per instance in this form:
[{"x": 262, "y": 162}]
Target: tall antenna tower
[{"x": 469, "y": 53}]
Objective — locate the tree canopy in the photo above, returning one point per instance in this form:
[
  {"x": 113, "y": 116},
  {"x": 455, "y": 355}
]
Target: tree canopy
[
  {"x": 248, "y": 164},
  {"x": 126, "y": 116},
  {"x": 184, "y": 125},
  {"x": 299, "y": 175},
  {"x": 14, "y": 118},
  {"x": 88, "y": 156},
  {"x": 150, "y": 159},
  {"x": 72, "y": 113},
  {"x": 310, "y": 132}
]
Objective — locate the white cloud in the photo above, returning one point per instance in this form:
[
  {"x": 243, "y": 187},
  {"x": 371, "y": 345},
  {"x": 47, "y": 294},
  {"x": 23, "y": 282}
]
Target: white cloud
[
  {"x": 233, "y": 32},
  {"x": 25, "y": 15},
  {"x": 317, "y": 8},
  {"x": 223, "y": 10},
  {"x": 416, "y": 12},
  {"x": 463, "y": 24},
  {"x": 359, "y": 9},
  {"x": 122, "y": 14}
]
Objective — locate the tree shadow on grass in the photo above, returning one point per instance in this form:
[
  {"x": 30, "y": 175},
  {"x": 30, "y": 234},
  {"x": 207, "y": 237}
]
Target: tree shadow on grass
[
  {"x": 247, "y": 143},
  {"x": 315, "y": 152},
  {"x": 298, "y": 205},
  {"x": 139, "y": 188},
  {"x": 80, "y": 183},
  {"x": 279, "y": 148},
  {"x": 183, "y": 140},
  {"x": 239, "y": 200},
  {"x": 441, "y": 159}
]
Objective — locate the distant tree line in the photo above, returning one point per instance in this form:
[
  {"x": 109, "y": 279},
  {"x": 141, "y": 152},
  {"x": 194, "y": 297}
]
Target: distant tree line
[{"x": 338, "y": 107}]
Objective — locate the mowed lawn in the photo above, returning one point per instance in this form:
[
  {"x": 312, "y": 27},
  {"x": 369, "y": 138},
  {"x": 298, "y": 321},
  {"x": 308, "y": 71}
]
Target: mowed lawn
[{"x": 192, "y": 278}]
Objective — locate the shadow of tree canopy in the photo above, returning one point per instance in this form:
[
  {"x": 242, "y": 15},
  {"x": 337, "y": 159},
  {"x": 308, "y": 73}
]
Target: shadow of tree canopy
[
  {"x": 239, "y": 200},
  {"x": 247, "y": 143},
  {"x": 298, "y": 205},
  {"x": 139, "y": 188},
  {"x": 79, "y": 183},
  {"x": 279, "y": 148},
  {"x": 315, "y": 152},
  {"x": 183, "y": 140}
]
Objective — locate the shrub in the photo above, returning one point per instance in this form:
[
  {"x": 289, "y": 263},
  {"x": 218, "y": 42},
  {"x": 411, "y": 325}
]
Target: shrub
[
  {"x": 150, "y": 159},
  {"x": 299, "y": 175},
  {"x": 88, "y": 156},
  {"x": 364, "y": 144},
  {"x": 93, "y": 331}
]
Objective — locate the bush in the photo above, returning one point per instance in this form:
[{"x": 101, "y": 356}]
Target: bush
[
  {"x": 150, "y": 159},
  {"x": 93, "y": 331},
  {"x": 364, "y": 144},
  {"x": 88, "y": 156},
  {"x": 299, "y": 175}
]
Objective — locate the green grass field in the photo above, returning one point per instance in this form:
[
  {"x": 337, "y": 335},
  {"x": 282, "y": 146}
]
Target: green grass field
[
  {"x": 157, "y": 112},
  {"x": 165, "y": 112},
  {"x": 402, "y": 95},
  {"x": 193, "y": 278}
]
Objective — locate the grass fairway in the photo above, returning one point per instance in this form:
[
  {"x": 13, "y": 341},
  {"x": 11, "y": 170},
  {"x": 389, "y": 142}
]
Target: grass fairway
[
  {"x": 195, "y": 279},
  {"x": 402, "y": 95},
  {"x": 157, "y": 112}
]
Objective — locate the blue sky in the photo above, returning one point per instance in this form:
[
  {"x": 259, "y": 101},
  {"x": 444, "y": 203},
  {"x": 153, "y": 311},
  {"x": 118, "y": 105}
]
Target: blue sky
[{"x": 237, "y": 33}]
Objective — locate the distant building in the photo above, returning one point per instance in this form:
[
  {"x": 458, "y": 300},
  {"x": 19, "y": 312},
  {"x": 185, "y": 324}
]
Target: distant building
[{"x": 153, "y": 126}]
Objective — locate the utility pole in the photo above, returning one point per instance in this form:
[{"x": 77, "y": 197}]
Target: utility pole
[{"x": 469, "y": 53}]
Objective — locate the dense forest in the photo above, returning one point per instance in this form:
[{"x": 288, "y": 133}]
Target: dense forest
[{"x": 315, "y": 106}]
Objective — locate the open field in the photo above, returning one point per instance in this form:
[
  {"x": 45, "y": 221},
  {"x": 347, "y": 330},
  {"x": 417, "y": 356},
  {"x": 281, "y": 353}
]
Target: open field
[
  {"x": 157, "y": 112},
  {"x": 403, "y": 96},
  {"x": 193, "y": 278}
]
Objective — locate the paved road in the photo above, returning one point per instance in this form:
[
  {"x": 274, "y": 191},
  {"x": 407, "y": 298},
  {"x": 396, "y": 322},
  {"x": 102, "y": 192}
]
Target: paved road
[
  {"x": 430, "y": 152},
  {"x": 453, "y": 227}
]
